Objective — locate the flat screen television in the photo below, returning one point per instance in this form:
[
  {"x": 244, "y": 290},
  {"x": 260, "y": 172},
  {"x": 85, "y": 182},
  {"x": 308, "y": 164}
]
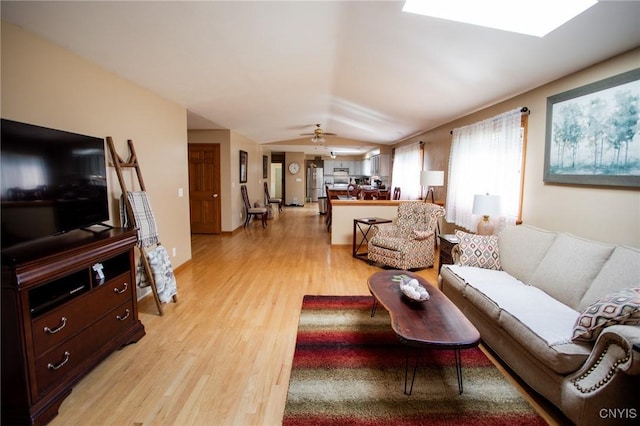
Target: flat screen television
[{"x": 52, "y": 182}]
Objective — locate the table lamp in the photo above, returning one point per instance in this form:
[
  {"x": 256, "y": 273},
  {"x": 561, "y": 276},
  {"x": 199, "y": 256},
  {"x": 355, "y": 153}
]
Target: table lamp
[
  {"x": 431, "y": 178},
  {"x": 485, "y": 206}
]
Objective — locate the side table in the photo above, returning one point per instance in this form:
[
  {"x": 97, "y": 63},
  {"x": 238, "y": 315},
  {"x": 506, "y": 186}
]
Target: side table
[
  {"x": 363, "y": 226},
  {"x": 447, "y": 241}
]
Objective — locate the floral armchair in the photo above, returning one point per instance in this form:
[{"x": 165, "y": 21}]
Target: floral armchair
[{"x": 408, "y": 243}]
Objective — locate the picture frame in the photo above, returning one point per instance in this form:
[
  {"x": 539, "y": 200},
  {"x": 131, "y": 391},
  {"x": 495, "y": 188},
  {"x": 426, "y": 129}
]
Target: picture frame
[
  {"x": 593, "y": 134},
  {"x": 244, "y": 164},
  {"x": 265, "y": 167}
]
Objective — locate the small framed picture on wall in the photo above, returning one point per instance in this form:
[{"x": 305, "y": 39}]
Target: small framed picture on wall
[
  {"x": 244, "y": 164},
  {"x": 265, "y": 167}
]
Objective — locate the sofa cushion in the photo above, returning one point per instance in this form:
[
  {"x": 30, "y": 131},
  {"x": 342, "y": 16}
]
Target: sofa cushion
[
  {"x": 543, "y": 326},
  {"x": 563, "y": 357},
  {"x": 622, "y": 270},
  {"x": 475, "y": 280},
  {"x": 619, "y": 307},
  {"x": 481, "y": 251},
  {"x": 536, "y": 320},
  {"x": 569, "y": 267},
  {"x": 522, "y": 247},
  {"x": 390, "y": 243},
  {"x": 448, "y": 273}
]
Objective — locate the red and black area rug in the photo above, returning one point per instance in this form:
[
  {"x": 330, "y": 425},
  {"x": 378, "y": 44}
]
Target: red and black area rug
[{"x": 349, "y": 369}]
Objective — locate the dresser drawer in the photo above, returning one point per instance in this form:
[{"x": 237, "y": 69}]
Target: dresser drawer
[
  {"x": 58, "y": 325},
  {"x": 60, "y": 362}
]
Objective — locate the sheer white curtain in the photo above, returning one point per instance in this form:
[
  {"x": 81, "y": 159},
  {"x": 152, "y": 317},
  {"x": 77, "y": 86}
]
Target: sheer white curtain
[
  {"x": 406, "y": 171},
  {"x": 486, "y": 157}
]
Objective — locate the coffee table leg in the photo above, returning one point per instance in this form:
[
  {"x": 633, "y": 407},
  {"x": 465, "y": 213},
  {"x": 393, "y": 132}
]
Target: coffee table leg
[
  {"x": 406, "y": 373},
  {"x": 459, "y": 370}
]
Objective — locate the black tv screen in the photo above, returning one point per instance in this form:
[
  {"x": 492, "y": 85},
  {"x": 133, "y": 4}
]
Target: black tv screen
[{"x": 52, "y": 182}]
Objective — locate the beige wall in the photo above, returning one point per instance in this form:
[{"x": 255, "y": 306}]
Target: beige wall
[
  {"x": 602, "y": 214},
  {"x": 295, "y": 185},
  {"x": 47, "y": 85}
]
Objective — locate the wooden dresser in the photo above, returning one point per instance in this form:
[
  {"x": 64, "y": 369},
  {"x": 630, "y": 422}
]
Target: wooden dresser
[{"x": 60, "y": 318}]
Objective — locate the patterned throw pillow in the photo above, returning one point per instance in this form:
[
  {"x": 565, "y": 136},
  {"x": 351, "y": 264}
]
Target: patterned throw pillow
[
  {"x": 481, "y": 251},
  {"x": 619, "y": 307}
]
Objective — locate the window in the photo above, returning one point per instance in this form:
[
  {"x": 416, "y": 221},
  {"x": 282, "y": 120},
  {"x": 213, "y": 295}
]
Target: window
[
  {"x": 406, "y": 171},
  {"x": 487, "y": 157}
]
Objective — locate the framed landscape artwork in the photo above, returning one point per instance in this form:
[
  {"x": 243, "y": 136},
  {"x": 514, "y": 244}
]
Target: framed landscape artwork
[
  {"x": 592, "y": 134},
  {"x": 244, "y": 161}
]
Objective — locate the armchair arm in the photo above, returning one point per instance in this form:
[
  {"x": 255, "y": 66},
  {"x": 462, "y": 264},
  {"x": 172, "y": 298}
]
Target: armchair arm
[{"x": 616, "y": 351}]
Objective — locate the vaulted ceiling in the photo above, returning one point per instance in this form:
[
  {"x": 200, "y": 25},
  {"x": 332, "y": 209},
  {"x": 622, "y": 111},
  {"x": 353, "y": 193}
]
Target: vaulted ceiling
[{"x": 364, "y": 70}]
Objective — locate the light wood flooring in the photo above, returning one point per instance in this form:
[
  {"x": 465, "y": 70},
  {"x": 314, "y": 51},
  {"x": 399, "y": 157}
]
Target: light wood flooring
[{"x": 222, "y": 355}]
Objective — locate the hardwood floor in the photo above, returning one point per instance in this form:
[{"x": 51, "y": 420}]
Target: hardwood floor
[{"x": 222, "y": 355}]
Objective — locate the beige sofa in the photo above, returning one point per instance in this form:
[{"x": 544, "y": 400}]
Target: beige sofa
[{"x": 562, "y": 312}]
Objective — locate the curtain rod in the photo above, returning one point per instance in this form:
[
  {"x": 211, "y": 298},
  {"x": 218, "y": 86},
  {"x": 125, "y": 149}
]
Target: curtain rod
[{"x": 524, "y": 110}]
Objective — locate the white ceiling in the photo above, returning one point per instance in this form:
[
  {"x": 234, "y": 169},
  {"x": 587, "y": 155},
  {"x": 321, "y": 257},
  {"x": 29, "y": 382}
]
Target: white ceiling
[{"x": 364, "y": 70}]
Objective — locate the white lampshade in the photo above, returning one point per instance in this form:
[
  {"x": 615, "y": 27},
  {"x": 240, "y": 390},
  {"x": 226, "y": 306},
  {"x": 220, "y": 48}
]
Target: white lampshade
[
  {"x": 486, "y": 205},
  {"x": 432, "y": 178}
]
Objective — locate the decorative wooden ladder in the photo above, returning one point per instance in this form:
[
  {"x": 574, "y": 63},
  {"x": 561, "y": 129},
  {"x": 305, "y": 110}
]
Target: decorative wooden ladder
[{"x": 132, "y": 162}]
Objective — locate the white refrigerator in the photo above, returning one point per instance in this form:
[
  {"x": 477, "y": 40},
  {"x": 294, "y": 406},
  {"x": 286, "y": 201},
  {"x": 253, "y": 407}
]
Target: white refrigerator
[{"x": 315, "y": 183}]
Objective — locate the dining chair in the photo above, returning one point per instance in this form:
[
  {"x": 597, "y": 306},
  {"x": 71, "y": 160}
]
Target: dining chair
[
  {"x": 353, "y": 190},
  {"x": 252, "y": 211},
  {"x": 330, "y": 196},
  {"x": 396, "y": 193},
  {"x": 369, "y": 194},
  {"x": 270, "y": 200}
]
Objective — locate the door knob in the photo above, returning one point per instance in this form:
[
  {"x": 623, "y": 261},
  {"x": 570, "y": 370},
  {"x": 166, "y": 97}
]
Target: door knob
[{"x": 214, "y": 196}]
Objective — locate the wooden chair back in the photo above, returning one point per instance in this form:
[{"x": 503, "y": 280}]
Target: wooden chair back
[
  {"x": 369, "y": 194},
  {"x": 245, "y": 197},
  {"x": 396, "y": 193},
  {"x": 353, "y": 190}
]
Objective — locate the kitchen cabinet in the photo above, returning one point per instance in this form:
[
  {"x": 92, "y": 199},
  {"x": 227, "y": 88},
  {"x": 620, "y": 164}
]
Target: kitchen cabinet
[
  {"x": 328, "y": 166},
  {"x": 344, "y": 164},
  {"x": 366, "y": 167},
  {"x": 384, "y": 165},
  {"x": 357, "y": 168},
  {"x": 375, "y": 165},
  {"x": 381, "y": 165}
]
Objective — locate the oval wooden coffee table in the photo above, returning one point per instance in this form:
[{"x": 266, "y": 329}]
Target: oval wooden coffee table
[{"x": 436, "y": 323}]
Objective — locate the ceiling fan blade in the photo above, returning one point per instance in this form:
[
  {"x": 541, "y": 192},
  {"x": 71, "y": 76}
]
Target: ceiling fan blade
[
  {"x": 318, "y": 132},
  {"x": 323, "y": 134}
]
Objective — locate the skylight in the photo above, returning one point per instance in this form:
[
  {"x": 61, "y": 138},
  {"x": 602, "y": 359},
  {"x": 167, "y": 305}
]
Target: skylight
[{"x": 537, "y": 18}]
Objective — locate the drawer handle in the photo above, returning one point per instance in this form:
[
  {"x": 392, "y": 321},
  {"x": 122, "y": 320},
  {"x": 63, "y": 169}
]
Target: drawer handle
[
  {"x": 63, "y": 362},
  {"x": 63, "y": 323},
  {"x": 126, "y": 315},
  {"x": 116, "y": 291}
]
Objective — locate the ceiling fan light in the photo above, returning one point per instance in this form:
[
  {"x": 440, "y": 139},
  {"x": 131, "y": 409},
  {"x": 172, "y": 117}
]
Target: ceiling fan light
[{"x": 317, "y": 139}]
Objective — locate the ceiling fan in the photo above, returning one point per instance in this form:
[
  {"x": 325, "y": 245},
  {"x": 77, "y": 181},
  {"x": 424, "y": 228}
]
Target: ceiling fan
[{"x": 318, "y": 134}]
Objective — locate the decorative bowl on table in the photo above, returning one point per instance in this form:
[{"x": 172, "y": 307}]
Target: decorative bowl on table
[{"x": 412, "y": 290}]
